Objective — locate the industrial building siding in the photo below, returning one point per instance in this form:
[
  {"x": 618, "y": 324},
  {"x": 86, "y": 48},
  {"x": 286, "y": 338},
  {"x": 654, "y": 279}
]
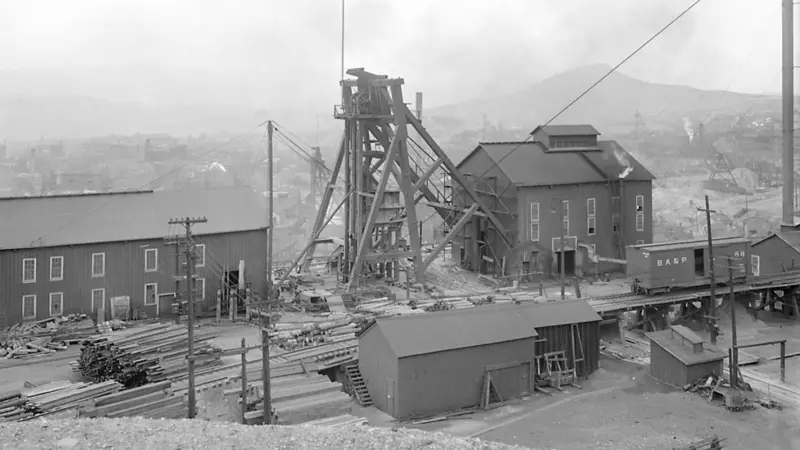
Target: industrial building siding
[
  {"x": 124, "y": 272},
  {"x": 378, "y": 369},
  {"x": 437, "y": 382},
  {"x": 558, "y": 338},
  {"x": 775, "y": 256}
]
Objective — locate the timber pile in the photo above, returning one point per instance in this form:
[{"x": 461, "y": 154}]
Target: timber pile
[
  {"x": 337, "y": 421},
  {"x": 145, "y": 354},
  {"x": 51, "y": 398},
  {"x": 152, "y": 401},
  {"x": 45, "y": 336},
  {"x": 298, "y": 399}
]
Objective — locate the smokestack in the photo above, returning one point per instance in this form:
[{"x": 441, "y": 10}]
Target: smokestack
[
  {"x": 788, "y": 114},
  {"x": 419, "y": 105}
]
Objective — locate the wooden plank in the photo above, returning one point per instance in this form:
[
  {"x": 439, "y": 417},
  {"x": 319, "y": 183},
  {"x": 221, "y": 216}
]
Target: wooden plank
[
  {"x": 131, "y": 393},
  {"x": 152, "y": 406},
  {"x": 123, "y": 405}
]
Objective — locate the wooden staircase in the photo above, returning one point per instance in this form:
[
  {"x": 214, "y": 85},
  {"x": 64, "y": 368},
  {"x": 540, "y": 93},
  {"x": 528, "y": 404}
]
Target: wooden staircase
[{"x": 358, "y": 385}]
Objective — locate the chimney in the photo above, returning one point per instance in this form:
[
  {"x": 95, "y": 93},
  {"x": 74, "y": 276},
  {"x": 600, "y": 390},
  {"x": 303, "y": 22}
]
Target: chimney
[{"x": 419, "y": 105}]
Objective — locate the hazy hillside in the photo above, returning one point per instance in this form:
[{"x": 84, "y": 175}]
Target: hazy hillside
[{"x": 612, "y": 103}]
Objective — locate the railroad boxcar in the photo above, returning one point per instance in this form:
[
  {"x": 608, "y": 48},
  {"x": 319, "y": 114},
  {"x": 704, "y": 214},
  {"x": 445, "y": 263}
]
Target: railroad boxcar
[{"x": 668, "y": 266}]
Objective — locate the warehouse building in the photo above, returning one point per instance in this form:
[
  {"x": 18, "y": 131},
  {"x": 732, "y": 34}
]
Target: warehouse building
[
  {"x": 66, "y": 254},
  {"x": 776, "y": 253},
  {"x": 426, "y": 364},
  {"x": 678, "y": 357},
  {"x": 563, "y": 180}
]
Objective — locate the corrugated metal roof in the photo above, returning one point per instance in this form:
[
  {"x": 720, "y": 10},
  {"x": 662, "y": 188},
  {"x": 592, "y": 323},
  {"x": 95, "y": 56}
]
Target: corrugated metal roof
[
  {"x": 422, "y": 334},
  {"x": 50, "y": 221},
  {"x": 568, "y": 130},
  {"x": 696, "y": 243},
  {"x": 528, "y": 164},
  {"x": 683, "y": 352}
]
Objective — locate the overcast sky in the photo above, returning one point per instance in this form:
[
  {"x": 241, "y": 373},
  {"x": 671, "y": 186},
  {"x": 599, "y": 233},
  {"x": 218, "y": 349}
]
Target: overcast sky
[{"x": 261, "y": 53}]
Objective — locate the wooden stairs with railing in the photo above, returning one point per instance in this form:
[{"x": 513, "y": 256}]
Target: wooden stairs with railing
[{"x": 358, "y": 385}]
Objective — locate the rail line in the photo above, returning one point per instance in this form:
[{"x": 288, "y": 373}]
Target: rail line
[{"x": 615, "y": 303}]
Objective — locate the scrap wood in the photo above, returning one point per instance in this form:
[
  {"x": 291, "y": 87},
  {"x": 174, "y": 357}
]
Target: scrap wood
[{"x": 445, "y": 416}]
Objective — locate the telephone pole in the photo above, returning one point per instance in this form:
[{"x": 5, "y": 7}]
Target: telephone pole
[
  {"x": 561, "y": 253},
  {"x": 734, "y": 363},
  {"x": 187, "y": 223},
  {"x": 711, "y": 318},
  {"x": 269, "y": 207}
]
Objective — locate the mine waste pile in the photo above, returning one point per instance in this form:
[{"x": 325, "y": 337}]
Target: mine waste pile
[
  {"x": 144, "y": 354},
  {"x": 45, "y": 336}
]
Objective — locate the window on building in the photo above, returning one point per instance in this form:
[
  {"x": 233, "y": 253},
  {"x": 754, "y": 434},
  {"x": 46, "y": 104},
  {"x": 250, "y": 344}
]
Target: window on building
[
  {"x": 29, "y": 270},
  {"x": 28, "y": 307},
  {"x": 98, "y": 298},
  {"x": 535, "y": 231},
  {"x": 640, "y": 242},
  {"x": 200, "y": 255},
  {"x": 590, "y": 207},
  {"x": 640, "y": 222},
  {"x": 640, "y": 203},
  {"x": 565, "y": 208},
  {"x": 150, "y": 293},
  {"x": 535, "y": 212},
  {"x": 151, "y": 260},
  {"x": 56, "y": 268},
  {"x": 615, "y": 222},
  {"x": 566, "y": 227},
  {"x": 56, "y": 304},
  {"x": 98, "y": 264},
  {"x": 755, "y": 265},
  {"x": 200, "y": 288},
  {"x": 590, "y": 225}
]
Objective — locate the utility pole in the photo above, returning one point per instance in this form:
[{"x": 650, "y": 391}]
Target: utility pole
[
  {"x": 187, "y": 223},
  {"x": 561, "y": 255},
  {"x": 711, "y": 318},
  {"x": 787, "y": 159},
  {"x": 270, "y": 212},
  {"x": 734, "y": 363},
  {"x": 265, "y": 369}
]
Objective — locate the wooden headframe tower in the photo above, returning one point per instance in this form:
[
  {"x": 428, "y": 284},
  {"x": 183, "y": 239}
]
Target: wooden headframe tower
[{"x": 385, "y": 178}]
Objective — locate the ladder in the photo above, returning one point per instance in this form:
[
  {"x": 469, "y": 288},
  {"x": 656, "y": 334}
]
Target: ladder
[
  {"x": 359, "y": 387},
  {"x": 576, "y": 333}
]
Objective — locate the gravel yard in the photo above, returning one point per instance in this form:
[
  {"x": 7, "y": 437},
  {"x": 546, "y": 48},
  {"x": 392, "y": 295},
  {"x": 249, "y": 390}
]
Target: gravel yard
[{"x": 136, "y": 433}]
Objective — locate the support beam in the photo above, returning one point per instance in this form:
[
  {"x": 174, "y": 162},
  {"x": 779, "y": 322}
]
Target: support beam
[
  {"x": 456, "y": 174},
  {"x": 425, "y": 176},
  {"x": 455, "y": 230}
]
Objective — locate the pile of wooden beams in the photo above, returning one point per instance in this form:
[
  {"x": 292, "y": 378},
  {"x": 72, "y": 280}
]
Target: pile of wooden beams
[
  {"x": 337, "y": 422},
  {"x": 153, "y": 401},
  {"x": 299, "y": 398},
  {"x": 45, "y": 336},
  {"x": 145, "y": 354},
  {"x": 52, "y": 398}
]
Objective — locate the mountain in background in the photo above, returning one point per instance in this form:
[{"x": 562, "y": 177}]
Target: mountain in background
[{"x": 611, "y": 105}]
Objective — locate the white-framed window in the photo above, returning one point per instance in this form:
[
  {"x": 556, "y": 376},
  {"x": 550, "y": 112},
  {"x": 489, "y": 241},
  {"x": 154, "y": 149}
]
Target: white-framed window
[
  {"x": 98, "y": 264},
  {"x": 56, "y": 304},
  {"x": 98, "y": 298},
  {"x": 535, "y": 231},
  {"x": 755, "y": 265},
  {"x": 29, "y": 270},
  {"x": 591, "y": 209},
  {"x": 534, "y": 212},
  {"x": 591, "y": 219},
  {"x": 150, "y": 293},
  {"x": 150, "y": 259},
  {"x": 565, "y": 208},
  {"x": 639, "y": 203},
  {"x": 28, "y": 307},
  {"x": 200, "y": 255},
  {"x": 639, "y": 222},
  {"x": 566, "y": 227},
  {"x": 591, "y": 224},
  {"x": 640, "y": 242},
  {"x": 56, "y": 268},
  {"x": 200, "y": 288}
]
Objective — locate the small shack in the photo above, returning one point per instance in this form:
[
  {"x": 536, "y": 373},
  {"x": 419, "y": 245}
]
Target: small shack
[
  {"x": 426, "y": 364},
  {"x": 678, "y": 357},
  {"x": 776, "y": 253}
]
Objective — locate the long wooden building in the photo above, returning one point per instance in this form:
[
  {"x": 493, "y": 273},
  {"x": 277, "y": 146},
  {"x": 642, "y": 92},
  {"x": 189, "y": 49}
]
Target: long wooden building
[{"x": 66, "y": 254}]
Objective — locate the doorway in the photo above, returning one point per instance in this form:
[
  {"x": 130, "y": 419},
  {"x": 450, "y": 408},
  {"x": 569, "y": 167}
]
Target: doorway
[
  {"x": 230, "y": 291},
  {"x": 569, "y": 262}
]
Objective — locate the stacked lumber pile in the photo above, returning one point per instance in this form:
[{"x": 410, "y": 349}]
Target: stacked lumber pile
[
  {"x": 385, "y": 307},
  {"x": 298, "y": 399},
  {"x": 51, "y": 398},
  {"x": 292, "y": 336},
  {"x": 45, "y": 336},
  {"x": 145, "y": 354},
  {"x": 337, "y": 421},
  {"x": 152, "y": 401}
]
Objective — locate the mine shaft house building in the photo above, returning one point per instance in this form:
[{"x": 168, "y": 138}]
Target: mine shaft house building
[
  {"x": 73, "y": 253},
  {"x": 426, "y": 364},
  {"x": 563, "y": 180}
]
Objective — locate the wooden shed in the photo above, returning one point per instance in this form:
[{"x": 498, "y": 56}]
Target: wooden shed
[
  {"x": 678, "y": 357},
  {"x": 776, "y": 253}
]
